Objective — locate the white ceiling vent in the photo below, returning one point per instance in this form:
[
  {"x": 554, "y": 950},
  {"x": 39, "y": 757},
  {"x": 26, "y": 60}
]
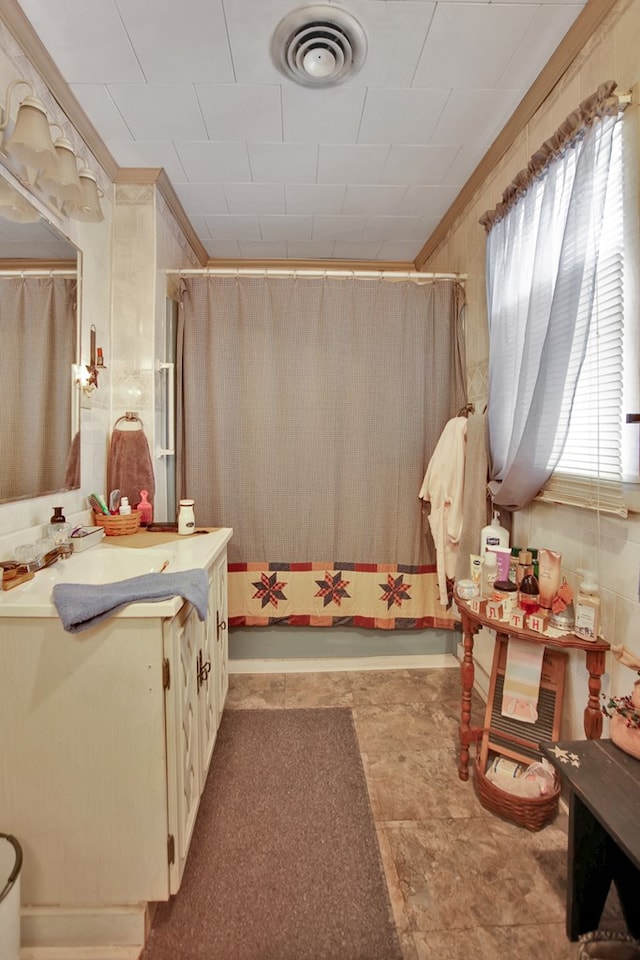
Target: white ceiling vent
[{"x": 319, "y": 45}]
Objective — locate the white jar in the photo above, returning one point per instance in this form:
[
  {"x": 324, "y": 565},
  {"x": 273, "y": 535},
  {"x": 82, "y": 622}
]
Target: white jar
[{"x": 186, "y": 517}]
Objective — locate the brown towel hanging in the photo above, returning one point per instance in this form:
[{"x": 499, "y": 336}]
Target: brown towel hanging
[{"x": 130, "y": 468}]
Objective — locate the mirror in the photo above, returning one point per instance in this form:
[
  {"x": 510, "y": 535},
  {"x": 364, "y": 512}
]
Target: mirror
[{"x": 39, "y": 426}]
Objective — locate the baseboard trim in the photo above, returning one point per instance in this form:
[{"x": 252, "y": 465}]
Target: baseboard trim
[
  {"x": 83, "y": 933},
  {"x": 336, "y": 664}
]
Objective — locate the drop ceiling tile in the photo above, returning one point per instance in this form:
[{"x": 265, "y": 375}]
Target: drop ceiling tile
[
  {"x": 469, "y": 44},
  {"x": 202, "y": 198},
  {"x": 263, "y": 249},
  {"x": 475, "y": 115},
  {"x": 203, "y": 57},
  {"x": 396, "y": 250},
  {"x": 144, "y": 154},
  {"x": 550, "y": 24},
  {"x": 396, "y": 32},
  {"x": 434, "y": 200},
  {"x": 283, "y": 162},
  {"x": 255, "y": 198},
  {"x": 464, "y": 163},
  {"x": 96, "y": 49},
  {"x": 204, "y": 160},
  {"x": 310, "y": 249},
  {"x": 401, "y": 116},
  {"x": 159, "y": 111},
  {"x": 407, "y": 163},
  {"x": 395, "y": 228},
  {"x": 99, "y": 107},
  {"x": 330, "y": 115},
  {"x": 285, "y": 227},
  {"x": 251, "y": 24},
  {"x": 351, "y": 163},
  {"x": 373, "y": 199},
  {"x": 357, "y": 250},
  {"x": 236, "y": 227},
  {"x": 241, "y": 112},
  {"x": 223, "y": 249},
  {"x": 314, "y": 198},
  {"x": 338, "y": 228}
]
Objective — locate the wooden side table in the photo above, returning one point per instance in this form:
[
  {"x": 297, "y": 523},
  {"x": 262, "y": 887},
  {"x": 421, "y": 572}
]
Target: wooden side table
[
  {"x": 604, "y": 839},
  {"x": 473, "y": 622}
]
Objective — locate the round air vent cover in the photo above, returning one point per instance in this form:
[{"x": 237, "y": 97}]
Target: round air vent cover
[{"x": 319, "y": 45}]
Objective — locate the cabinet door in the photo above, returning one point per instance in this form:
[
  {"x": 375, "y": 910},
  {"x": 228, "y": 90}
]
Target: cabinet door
[
  {"x": 183, "y": 641},
  {"x": 208, "y": 685},
  {"x": 222, "y": 639}
]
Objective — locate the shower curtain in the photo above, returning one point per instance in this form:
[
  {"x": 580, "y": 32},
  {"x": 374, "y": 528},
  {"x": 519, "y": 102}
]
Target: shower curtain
[
  {"x": 308, "y": 409},
  {"x": 38, "y": 317}
]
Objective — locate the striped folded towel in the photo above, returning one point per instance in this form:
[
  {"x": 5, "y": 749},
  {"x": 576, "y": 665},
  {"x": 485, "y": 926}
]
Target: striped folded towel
[{"x": 522, "y": 675}]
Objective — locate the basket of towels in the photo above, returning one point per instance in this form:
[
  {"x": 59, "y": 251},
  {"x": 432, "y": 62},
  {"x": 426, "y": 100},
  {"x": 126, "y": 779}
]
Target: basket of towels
[
  {"x": 526, "y": 795},
  {"x": 118, "y": 524}
]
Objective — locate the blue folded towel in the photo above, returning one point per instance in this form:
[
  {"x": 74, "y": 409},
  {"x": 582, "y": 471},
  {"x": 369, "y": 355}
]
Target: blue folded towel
[{"x": 82, "y": 605}]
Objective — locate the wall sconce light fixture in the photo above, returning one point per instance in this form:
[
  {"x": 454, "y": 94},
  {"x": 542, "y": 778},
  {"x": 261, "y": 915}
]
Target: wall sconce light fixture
[
  {"x": 30, "y": 140},
  {"x": 13, "y": 206},
  {"x": 31, "y": 145},
  {"x": 87, "y": 375}
]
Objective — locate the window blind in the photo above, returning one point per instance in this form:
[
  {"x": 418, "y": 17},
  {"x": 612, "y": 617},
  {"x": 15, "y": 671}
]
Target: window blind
[{"x": 589, "y": 471}]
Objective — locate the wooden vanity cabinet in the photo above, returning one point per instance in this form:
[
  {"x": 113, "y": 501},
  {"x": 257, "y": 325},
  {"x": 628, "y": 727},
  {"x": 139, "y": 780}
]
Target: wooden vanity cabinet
[{"x": 107, "y": 737}]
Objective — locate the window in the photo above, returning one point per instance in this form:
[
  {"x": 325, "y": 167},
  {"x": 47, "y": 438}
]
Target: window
[{"x": 560, "y": 360}]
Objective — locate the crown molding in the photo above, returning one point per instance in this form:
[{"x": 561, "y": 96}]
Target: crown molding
[{"x": 581, "y": 31}]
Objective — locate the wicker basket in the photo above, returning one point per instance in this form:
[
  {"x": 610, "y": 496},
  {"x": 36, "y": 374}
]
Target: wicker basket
[
  {"x": 118, "y": 525},
  {"x": 534, "y": 813}
]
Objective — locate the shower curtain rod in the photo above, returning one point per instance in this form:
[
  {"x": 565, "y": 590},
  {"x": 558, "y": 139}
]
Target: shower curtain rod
[
  {"x": 38, "y": 273},
  {"x": 315, "y": 272}
]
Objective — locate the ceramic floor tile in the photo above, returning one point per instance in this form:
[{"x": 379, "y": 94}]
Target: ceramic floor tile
[
  {"x": 421, "y": 785},
  {"x": 255, "y": 691},
  {"x": 441, "y": 684},
  {"x": 317, "y": 690},
  {"x": 383, "y": 686},
  {"x": 382, "y": 729}
]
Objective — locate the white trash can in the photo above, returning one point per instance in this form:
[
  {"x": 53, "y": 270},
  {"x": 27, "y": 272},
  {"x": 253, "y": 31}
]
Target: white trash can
[{"x": 10, "y": 866}]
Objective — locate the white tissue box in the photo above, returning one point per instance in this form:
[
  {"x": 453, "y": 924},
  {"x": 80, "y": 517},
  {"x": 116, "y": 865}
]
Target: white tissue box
[{"x": 86, "y": 537}]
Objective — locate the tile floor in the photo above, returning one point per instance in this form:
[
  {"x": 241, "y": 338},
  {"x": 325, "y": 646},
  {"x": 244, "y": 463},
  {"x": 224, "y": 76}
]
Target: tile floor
[{"x": 463, "y": 883}]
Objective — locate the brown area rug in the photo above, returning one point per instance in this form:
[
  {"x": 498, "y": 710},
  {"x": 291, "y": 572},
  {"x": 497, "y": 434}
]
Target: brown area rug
[{"x": 284, "y": 863}]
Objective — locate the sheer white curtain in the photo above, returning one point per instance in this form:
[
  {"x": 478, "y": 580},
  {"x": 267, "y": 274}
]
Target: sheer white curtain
[{"x": 542, "y": 259}]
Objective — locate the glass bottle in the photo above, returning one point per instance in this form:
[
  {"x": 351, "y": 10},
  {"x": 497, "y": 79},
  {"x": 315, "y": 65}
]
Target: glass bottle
[
  {"x": 528, "y": 589},
  {"x": 186, "y": 517}
]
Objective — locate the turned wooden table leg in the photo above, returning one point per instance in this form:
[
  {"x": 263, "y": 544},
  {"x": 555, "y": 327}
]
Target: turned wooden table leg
[
  {"x": 593, "y": 711},
  {"x": 466, "y": 675}
]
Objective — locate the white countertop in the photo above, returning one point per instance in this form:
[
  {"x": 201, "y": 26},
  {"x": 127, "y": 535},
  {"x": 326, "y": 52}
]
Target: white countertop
[{"x": 109, "y": 562}]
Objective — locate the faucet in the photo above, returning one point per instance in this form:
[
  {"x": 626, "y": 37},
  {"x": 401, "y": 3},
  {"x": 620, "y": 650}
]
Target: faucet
[{"x": 15, "y": 569}]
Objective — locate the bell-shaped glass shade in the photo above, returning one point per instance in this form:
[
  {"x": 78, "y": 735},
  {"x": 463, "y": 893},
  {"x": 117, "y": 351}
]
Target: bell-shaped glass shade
[
  {"x": 63, "y": 182},
  {"x": 13, "y": 205},
  {"x": 30, "y": 141},
  {"x": 88, "y": 209}
]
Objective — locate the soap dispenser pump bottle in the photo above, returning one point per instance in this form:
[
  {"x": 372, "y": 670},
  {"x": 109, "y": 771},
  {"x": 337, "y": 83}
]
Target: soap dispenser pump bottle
[
  {"x": 493, "y": 535},
  {"x": 587, "y": 608},
  {"x": 58, "y": 516}
]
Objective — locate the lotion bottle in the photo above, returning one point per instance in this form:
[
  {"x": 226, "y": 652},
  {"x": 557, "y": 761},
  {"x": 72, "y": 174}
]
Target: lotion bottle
[
  {"x": 125, "y": 507},
  {"x": 587, "y": 608},
  {"x": 186, "y": 517},
  {"x": 493, "y": 535}
]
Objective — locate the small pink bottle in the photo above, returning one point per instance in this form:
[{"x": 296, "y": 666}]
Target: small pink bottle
[{"x": 145, "y": 508}]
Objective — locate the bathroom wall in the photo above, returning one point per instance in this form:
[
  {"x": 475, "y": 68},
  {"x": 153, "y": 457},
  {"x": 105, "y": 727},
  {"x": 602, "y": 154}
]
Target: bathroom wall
[{"x": 583, "y": 538}]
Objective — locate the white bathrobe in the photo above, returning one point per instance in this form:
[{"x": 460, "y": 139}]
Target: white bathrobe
[{"x": 443, "y": 487}]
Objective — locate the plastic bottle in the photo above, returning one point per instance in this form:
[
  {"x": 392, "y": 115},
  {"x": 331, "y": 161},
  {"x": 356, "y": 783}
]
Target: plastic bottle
[
  {"x": 489, "y": 573},
  {"x": 125, "y": 507},
  {"x": 493, "y": 535},
  {"x": 587, "y": 608},
  {"x": 145, "y": 508},
  {"x": 186, "y": 517}
]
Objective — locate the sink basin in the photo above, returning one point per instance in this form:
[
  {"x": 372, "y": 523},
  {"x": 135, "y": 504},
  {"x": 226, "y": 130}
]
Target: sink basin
[{"x": 101, "y": 564}]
